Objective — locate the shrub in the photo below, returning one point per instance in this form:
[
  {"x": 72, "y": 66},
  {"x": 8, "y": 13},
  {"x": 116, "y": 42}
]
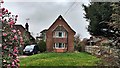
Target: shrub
[
  {"x": 42, "y": 46},
  {"x": 11, "y": 39},
  {"x": 78, "y": 47}
]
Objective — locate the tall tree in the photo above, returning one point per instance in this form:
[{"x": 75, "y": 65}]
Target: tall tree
[
  {"x": 77, "y": 44},
  {"x": 104, "y": 21},
  {"x": 96, "y": 13}
]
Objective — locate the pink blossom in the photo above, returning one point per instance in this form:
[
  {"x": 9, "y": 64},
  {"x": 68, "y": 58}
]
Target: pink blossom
[
  {"x": 11, "y": 22},
  {"x": 21, "y": 42},
  {"x": 19, "y": 33},
  {"x": 18, "y": 30},
  {"x": 15, "y": 50},
  {"x": 10, "y": 43},
  {"x": 12, "y": 39},
  {"x": 2, "y": 53},
  {"x": 13, "y": 31},
  {"x": 3, "y": 13},
  {"x": 0, "y": 45},
  {"x": 2, "y": 21},
  {"x": 21, "y": 39},
  {"x": 8, "y": 65},
  {"x": 4, "y": 47},
  {"x": 0, "y": 14},
  {"x": 3, "y": 9},
  {"x": 15, "y": 37},
  {"x": 4, "y": 34},
  {"x": 11, "y": 26},
  {"x": 9, "y": 55},
  {"x": 13, "y": 63},
  {"x": 10, "y": 19},
  {"x": 17, "y": 60},
  {"x": 15, "y": 55},
  {"x": 6, "y": 10}
]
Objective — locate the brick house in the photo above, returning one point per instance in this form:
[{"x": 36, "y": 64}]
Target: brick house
[
  {"x": 25, "y": 32},
  {"x": 60, "y": 37}
]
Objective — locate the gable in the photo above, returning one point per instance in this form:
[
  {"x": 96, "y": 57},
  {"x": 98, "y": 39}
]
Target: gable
[
  {"x": 61, "y": 22},
  {"x": 60, "y": 28},
  {"x": 23, "y": 30}
]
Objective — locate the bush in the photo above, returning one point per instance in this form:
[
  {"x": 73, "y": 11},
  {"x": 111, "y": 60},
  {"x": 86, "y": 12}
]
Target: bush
[
  {"x": 78, "y": 47},
  {"x": 42, "y": 46},
  {"x": 11, "y": 40}
]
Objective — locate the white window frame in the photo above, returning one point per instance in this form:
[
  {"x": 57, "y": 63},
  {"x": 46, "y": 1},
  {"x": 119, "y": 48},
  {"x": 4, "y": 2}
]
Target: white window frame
[
  {"x": 57, "y": 46},
  {"x": 57, "y": 34}
]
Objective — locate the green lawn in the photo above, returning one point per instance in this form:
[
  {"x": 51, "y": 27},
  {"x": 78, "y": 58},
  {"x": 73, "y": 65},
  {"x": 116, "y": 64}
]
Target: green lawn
[{"x": 59, "y": 59}]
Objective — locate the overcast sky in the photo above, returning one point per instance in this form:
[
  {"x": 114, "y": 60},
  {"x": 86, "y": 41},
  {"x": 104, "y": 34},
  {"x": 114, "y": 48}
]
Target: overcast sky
[{"x": 43, "y": 14}]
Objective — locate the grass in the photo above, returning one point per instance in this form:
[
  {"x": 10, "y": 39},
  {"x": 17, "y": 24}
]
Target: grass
[{"x": 59, "y": 59}]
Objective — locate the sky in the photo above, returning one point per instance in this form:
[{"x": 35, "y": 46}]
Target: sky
[{"x": 43, "y": 13}]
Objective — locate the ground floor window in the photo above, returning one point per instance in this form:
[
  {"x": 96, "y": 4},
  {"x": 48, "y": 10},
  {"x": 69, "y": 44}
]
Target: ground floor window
[{"x": 59, "y": 45}]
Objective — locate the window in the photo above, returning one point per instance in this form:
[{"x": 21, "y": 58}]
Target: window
[
  {"x": 59, "y": 34},
  {"x": 59, "y": 45}
]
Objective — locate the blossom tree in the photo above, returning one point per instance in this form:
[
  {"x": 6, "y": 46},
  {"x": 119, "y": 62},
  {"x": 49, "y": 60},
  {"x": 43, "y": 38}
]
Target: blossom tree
[{"x": 11, "y": 39}]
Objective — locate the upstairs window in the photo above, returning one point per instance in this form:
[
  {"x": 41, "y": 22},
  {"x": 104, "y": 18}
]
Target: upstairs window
[{"x": 59, "y": 34}]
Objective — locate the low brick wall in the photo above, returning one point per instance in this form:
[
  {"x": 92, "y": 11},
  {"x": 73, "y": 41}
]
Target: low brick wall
[{"x": 60, "y": 50}]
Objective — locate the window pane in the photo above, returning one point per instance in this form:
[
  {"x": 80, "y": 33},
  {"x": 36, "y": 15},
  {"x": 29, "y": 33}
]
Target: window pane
[
  {"x": 57, "y": 45},
  {"x": 60, "y": 45},
  {"x": 60, "y": 34}
]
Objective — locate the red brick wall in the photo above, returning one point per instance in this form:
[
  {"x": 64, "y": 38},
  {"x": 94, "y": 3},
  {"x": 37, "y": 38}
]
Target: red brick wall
[
  {"x": 70, "y": 43},
  {"x": 63, "y": 40},
  {"x": 49, "y": 42},
  {"x": 59, "y": 50}
]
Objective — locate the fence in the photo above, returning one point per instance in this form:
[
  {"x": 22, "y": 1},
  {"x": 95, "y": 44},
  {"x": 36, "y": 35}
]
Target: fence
[
  {"x": 92, "y": 49},
  {"x": 98, "y": 50}
]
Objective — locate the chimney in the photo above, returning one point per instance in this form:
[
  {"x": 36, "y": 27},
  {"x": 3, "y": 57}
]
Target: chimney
[{"x": 27, "y": 27}]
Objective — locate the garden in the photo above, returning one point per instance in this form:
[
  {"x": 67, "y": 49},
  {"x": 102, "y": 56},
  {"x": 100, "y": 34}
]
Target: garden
[{"x": 60, "y": 59}]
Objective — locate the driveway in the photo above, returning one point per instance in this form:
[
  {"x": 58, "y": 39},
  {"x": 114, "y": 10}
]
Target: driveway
[{"x": 23, "y": 56}]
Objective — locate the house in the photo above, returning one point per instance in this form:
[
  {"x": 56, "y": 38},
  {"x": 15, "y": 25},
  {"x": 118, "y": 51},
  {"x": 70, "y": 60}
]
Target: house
[
  {"x": 25, "y": 33},
  {"x": 60, "y": 37},
  {"x": 43, "y": 34}
]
